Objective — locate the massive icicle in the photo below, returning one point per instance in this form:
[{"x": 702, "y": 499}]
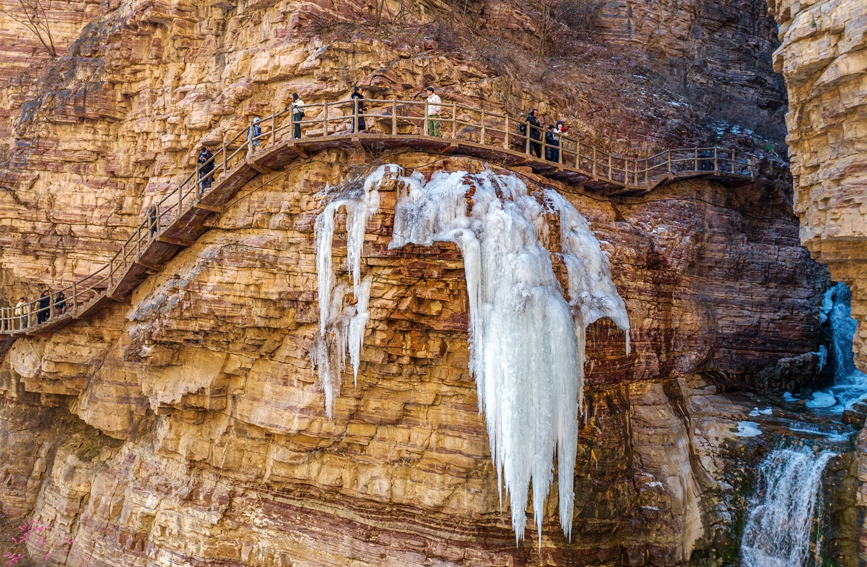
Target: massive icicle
[
  {"x": 526, "y": 341},
  {"x": 341, "y": 326}
]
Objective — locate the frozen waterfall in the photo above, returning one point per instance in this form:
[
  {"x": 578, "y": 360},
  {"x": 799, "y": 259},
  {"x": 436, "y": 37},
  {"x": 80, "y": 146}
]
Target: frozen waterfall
[
  {"x": 342, "y": 325},
  {"x": 850, "y": 384},
  {"x": 780, "y": 519},
  {"x": 526, "y": 340}
]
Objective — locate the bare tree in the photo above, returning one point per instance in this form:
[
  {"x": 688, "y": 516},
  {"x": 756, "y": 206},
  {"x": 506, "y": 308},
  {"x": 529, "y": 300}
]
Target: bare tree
[{"x": 34, "y": 18}]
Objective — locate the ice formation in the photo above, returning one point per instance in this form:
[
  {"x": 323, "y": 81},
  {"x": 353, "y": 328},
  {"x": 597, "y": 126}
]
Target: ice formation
[
  {"x": 526, "y": 340},
  {"x": 850, "y": 384},
  {"x": 341, "y": 325}
]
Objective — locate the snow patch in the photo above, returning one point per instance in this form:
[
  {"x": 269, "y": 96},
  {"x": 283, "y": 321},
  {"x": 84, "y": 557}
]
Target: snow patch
[
  {"x": 822, "y": 400},
  {"x": 748, "y": 429}
]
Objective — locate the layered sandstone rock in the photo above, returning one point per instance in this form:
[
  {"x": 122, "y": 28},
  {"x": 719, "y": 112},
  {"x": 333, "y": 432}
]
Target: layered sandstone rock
[
  {"x": 188, "y": 427},
  {"x": 824, "y": 60}
]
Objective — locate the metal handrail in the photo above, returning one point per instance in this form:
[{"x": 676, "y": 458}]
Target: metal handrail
[{"x": 402, "y": 118}]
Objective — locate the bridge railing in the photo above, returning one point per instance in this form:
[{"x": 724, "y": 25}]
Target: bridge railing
[{"x": 393, "y": 118}]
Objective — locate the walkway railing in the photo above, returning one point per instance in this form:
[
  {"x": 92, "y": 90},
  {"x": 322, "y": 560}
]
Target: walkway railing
[{"x": 386, "y": 120}]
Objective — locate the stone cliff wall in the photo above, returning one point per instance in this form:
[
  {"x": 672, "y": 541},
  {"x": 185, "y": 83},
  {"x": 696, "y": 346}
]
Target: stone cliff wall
[
  {"x": 823, "y": 58},
  {"x": 187, "y": 428}
]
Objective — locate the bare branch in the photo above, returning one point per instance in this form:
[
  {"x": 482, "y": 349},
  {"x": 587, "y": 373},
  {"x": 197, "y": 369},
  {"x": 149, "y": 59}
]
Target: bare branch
[{"x": 35, "y": 20}]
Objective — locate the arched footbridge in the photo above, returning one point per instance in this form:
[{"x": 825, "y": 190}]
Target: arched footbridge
[{"x": 181, "y": 217}]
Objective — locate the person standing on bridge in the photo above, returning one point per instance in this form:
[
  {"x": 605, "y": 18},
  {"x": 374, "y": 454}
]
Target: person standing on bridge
[
  {"x": 535, "y": 132},
  {"x": 59, "y": 303},
  {"x": 433, "y": 112},
  {"x": 253, "y": 133},
  {"x": 44, "y": 307},
  {"x": 298, "y": 115},
  {"x": 553, "y": 152},
  {"x": 206, "y": 166},
  {"x": 20, "y": 313},
  {"x": 358, "y": 110}
]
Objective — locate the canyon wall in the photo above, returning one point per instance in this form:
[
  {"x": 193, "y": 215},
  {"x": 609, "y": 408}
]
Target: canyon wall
[
  {"x": 823, "y": 58},
  {"x": 188, "y": 428}
]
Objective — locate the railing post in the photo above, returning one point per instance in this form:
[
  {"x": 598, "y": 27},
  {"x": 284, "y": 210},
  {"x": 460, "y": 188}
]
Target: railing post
[
  {"x": 483, "y": 127},
  {"x": 696, "y": 160},
  {"x": 506, "y": 135},
  {"x": 74, "y": 299},
  {"x": 355, "y": 116},
  {"x": 454, "y": 121},
  {"x": 181, "y": 195},
  {"x": 733, "y": 162},
  {"x": 668, "y": 158},
  {"x": 324, "y": 119},
  {"x": 578, "y": 155},
  {"x": 426, "y": 119},
  {"x": 562, "y": 149},
  {"x": 273, "y": 128},
  {"x": 394, "y": 117},
  {"x": 250, "y": 138},
  {"x": 292, "y": 121},
  {"x": 527, "y": 137},
  {"x": 593, "y": 170},
  {"x": 715, "y": 160},
  {"x": 610, "y": 172}
]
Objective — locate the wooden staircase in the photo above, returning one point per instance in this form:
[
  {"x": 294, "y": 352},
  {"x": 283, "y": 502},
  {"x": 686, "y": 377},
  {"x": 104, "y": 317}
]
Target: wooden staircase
[{"x": 182, "y": 216}]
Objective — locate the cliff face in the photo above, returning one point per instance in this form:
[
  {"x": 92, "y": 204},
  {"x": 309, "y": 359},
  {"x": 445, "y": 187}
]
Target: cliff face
[
  {"x": 823, "y": 57},
  {"x": 188, "y": 428}
]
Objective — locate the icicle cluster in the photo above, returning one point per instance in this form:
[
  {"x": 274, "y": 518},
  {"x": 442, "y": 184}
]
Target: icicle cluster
[
  {"x": 526, "y": 340},
  {"x": 341, "y": 325}
]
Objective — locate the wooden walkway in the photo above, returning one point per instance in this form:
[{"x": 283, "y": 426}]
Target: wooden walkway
[{"x": 181, "y": 217}]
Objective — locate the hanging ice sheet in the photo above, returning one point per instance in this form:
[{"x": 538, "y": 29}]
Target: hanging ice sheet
[{"x": 526, "y": 338}]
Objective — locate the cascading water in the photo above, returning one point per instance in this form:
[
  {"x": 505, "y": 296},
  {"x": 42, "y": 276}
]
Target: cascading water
[
  {"x": 526, "y": 340},
  {"x": 850, "y": 384},
  {"x": 777, "y": 531}
]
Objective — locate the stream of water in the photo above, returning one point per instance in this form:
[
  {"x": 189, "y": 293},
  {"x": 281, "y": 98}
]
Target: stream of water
[
  {"x": 777, "y": 533},
  {"x": 781, "y": 516}
]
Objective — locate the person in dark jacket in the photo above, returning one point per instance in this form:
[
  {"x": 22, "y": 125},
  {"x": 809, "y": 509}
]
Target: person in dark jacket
[
  {"x": 206, "y": 166},
  {"x": 550, "y": 142},
  {"x": 535, "y": 132},
  {"x": 153, "y": 225},
  {"x": 558, "y": 130},
  {"x": 59, "y": 303},
  {"x": 359, "y": 109},
  {"x": 44, "y": 303}
]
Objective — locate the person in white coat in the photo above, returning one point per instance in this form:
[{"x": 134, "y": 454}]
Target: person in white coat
[
  {"x": 433, "y": 112},
  {"x": 20, "y": 313}
]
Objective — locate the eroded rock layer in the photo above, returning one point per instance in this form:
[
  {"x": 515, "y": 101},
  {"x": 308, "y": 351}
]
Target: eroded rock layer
[{"x": 188, "y": 427}]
